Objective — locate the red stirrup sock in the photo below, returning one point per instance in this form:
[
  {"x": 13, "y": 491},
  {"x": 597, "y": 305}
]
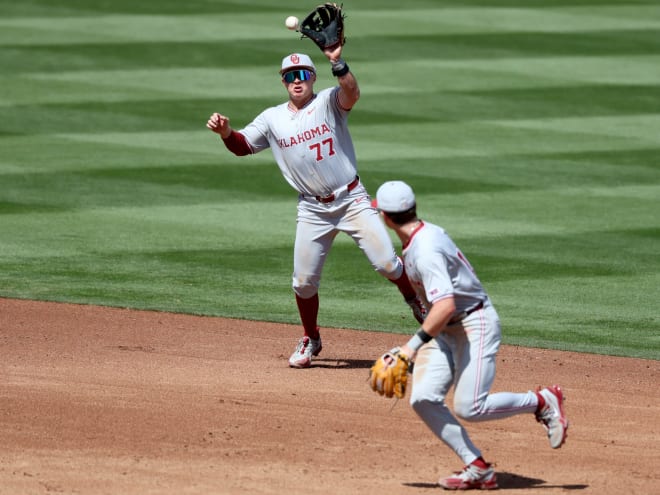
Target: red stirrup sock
[
  {"x": 541, "y": 403},
  {"x": 309, "y": 310}
]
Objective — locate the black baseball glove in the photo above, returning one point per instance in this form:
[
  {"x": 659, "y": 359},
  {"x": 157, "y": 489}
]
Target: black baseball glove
[{"x": 324, "y": 26}]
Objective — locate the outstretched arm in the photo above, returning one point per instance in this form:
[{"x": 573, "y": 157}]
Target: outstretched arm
[
  {"x": 234, "y": 141},
  {"x": 349, "y": 91}
]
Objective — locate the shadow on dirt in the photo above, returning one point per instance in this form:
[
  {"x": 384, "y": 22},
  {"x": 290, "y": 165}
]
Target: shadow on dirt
[
  {"x": 512, "y": 481},
  {"x": 342, "y": 363}
]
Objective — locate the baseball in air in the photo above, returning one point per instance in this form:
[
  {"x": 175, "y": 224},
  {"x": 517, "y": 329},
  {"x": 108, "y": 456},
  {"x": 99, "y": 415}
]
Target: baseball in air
[{"x": 291, "y": 22}]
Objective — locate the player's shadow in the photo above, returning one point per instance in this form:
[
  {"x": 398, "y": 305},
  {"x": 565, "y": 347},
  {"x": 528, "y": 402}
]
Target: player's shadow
[
  {"x": 342, "y": 363},
  {"x": 510, "y": 481}
]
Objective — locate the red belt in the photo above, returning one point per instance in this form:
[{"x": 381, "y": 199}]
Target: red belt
[
  {"x": 464, "y": 314},
  {"x": 331, "y": 198}
]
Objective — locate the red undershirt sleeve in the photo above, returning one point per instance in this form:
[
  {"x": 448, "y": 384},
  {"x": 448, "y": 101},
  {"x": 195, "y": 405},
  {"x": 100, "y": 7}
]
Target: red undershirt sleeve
[{"x": 237, "y": 144}]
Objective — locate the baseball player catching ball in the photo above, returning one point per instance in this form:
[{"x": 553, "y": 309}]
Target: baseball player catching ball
[
  {"x": 456, "y": 345},
  {"x": 310, "y": 141}
]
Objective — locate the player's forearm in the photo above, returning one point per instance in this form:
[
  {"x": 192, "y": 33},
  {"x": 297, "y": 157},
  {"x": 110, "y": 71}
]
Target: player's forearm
[
  {"x": 349, "y": 91},
  {"x": 350, "y": 86},
  {"x": 435, "y": 322},
  {"x": 236, "y": 143},
  {"x": 439, "y": 316}
]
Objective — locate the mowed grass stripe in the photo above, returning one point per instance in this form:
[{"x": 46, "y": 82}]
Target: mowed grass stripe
[
  {"x": 229, "y": 53},
  {"x": 606, "y": 190},
  {"x": 68, "y": 8},
  {"x": 587, "y": 182},
  {"x": 168, "y": 226},
  {"x": 376, "y": 78},
  {"x": 541, "y": 17},
  {"x": 374, "y": 142},
  {"x": 364, "y": 23},
  {"x": 513, "y": 172},
  {"x": 501, "y": 138},
  {"x": 185, "y": 113},
  {"x": 510, "y": 73},
  {"x": 24, "y": 155},
  {"x": 114, "y": 28},
  {"x": 379, "y": 141},
  {"x": 84, "y": 8},
  {"x": 618, "y": 318}
]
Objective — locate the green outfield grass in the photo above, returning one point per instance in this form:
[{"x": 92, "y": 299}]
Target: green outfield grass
[{"x": 530, "y": 130}]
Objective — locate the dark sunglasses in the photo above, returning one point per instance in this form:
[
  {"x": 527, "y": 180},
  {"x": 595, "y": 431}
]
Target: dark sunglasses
[{"x": 300, "y": 74}]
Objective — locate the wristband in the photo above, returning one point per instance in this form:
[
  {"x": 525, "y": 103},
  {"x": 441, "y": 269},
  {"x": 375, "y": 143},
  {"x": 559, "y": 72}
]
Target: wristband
[
  {"x": 419, "y": 339},
  {"x": 340, "y": 68}
]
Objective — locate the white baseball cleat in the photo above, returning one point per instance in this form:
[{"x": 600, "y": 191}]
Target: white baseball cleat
[
  {"x": 471, "y": 478},
  {"x": 552, "y": 415},
  {"x": 302, "y": 356}
]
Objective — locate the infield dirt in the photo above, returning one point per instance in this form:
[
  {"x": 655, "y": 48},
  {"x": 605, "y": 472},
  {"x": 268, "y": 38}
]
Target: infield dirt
[{"x": 98, "y": 400}]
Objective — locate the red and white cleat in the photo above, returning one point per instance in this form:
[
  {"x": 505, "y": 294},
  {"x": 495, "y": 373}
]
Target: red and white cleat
[
  {"x": 306, "y": 348},
  {"x": 471, "y": 478},
  {"x": 552, "y": 415}
]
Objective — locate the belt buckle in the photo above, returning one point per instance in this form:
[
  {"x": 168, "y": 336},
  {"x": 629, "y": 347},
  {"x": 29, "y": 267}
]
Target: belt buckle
[
  {"x": 348, "y": 188},
  {"x": 327, "y": 199}
]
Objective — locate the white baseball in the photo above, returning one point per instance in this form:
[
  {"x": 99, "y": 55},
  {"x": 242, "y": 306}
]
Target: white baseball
[{"x": 291, "y": 22}]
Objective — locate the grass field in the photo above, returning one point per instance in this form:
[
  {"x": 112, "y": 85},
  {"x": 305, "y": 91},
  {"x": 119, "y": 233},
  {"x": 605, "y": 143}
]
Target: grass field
[{"x": 529, "y": 129}]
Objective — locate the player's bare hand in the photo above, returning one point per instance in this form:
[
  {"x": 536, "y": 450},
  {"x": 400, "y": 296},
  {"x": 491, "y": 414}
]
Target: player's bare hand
[
  {"x": 334, "y": 52},
  {"x": 219, "y": 124}
]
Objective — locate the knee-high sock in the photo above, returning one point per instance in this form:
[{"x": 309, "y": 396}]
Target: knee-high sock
[{"x": 309, "y": 311}]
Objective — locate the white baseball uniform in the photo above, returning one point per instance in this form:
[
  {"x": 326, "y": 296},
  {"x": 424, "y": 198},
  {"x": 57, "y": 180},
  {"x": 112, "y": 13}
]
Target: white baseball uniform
[
  {"x": 464, "y": 353},
  {"x": 314, "y": 151}
]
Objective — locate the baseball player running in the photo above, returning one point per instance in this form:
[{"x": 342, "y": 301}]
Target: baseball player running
[
  {"x": 311, "y": 144},
  {"x": 457, "y": 344}
]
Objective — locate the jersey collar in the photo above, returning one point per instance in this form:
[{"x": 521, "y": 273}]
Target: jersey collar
[
  {"x": 413, "y": 233},
  {"x": 295, "y": 110}
]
